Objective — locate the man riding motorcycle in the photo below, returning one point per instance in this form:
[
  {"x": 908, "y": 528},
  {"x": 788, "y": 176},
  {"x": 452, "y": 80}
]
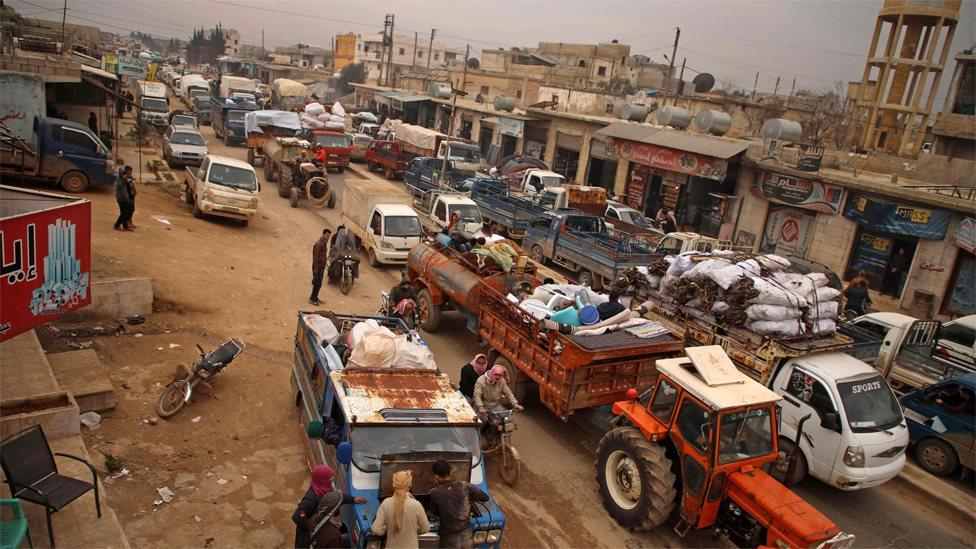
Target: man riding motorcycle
[
  {"x": 491, "y": 392},
  {"x": 343, "y": 244}
]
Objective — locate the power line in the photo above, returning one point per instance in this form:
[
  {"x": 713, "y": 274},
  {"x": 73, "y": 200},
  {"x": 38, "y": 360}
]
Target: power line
[{"x": 779, "y": 44}]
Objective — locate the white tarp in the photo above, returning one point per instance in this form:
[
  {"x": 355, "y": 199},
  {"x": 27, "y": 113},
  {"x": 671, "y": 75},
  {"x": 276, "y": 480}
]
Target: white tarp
[
  {"x": 418, "y": 136},
  {"x": 279, "y": 119},
  {"x": 284, "y": 87}
]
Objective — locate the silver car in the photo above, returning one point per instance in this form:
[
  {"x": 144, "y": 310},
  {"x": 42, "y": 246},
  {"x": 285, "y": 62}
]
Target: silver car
[{"x": 183, "y": 146}]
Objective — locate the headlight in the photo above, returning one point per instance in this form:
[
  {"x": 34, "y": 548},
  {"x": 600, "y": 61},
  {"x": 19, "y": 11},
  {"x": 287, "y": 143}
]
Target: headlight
[
  {"x": 481, "y": 536},
  {"x": 854, "y": 456},
  {"x": 494, "y": 536},
  {"x": 374, "y": 544},
  {"x": 387, "y": 246}
]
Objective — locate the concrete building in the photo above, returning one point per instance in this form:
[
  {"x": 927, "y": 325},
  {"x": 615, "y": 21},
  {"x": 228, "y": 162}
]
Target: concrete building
[
  {"x": 345, "y": 50},
  {"x": 480, "y": 82},
  {"x": 954, "y": 130},
  {"x": 408, "y": 54},
  {"x": 908, "y": 65},
  {"x": 13, "y": 24},
  {"x": 232, "y": 41},
  {"x": 304, "y": 56}
]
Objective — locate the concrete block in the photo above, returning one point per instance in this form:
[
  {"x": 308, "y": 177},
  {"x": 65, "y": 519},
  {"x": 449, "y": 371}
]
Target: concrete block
[
  {"x": 81, "y": 373},
  {"x": 56, "y": 413},
  {"x": 123, "y": 296}
]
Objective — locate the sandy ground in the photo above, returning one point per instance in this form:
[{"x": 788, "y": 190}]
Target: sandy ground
[{"x": 238, "y": 471}]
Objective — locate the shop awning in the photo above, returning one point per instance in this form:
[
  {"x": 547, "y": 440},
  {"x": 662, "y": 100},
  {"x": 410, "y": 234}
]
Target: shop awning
[
  {"x": 412, "y": 98},
  {"x": 490, "y": 121},
  {"x": 98, "y": 72},
  {"x": 707, "y": 145}
]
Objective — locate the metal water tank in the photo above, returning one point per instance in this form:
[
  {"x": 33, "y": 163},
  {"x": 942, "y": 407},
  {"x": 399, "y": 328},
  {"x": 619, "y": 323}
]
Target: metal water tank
[
  {"x": 504, "y": 103},
  {"x": 635, "y": 113},
  {"x": 713, "y": 122},
  {"x": 676, "y": 117},
  {"x": 781, "y": 129},
  {"x": 440, "y": 91}
]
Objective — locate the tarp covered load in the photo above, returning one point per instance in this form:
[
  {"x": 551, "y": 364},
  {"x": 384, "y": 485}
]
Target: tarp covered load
[
  {"x": 289, "y": 88},
  {"x": 417, "y": 136},
  {"x": 258, "y": 121}
]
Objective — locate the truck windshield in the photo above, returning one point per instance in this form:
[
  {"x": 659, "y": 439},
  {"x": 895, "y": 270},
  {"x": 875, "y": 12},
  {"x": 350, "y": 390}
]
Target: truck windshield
[
  {"x": 551, "y": 180},
  {"x": 235, "y": 116},
  {"x": 200, "y": 93},
  {"x": 402, "y": 226},
  {"x": 154, "y": 105},
  {"x": 370, "y": 444},
  {"x": 634, "y": 218},
  {"x": 232, "y": 176},
  {"x": 202, "y": 103},
  {"x": 186, "y": 138},
  {"x": 328, "y": 140},
  {"x": 467, "y": 212},
  {"x": 463, "y": 153},
  {"x": 869, "y": 404},
  {"x": 743, "y": 435}
]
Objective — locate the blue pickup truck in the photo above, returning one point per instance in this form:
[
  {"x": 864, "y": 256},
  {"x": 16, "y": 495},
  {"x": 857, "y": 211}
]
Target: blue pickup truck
[
  {"x": 941, "y": 424},
  {"x": 368, "y": 423},
  {"x": 580, "y": 242},
  {"x": 59, "y": 151},
  {"x": 424, "y": 173},
  {"x": 227, "y": 118},
  {"x": 503, "y": 209}
]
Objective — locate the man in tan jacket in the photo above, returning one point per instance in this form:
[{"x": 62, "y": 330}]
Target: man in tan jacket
[
  {"x": 491, "y": 390},
  {"x": 401, "y": 518}
]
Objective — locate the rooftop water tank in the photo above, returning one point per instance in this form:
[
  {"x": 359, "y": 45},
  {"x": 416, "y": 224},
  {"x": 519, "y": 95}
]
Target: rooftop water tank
[
  {"x": 713, "y": 122},
  {"x": 635, "y": 113},
  {"x": 440, "y": 91},
  {"x": 504, "y": 103},
  {"x": 676, "y": 117},
  {"x": 781, "y": 129}
]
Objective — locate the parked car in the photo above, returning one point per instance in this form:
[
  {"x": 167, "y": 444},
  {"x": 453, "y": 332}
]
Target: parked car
[
  {"x": 940, "y": 423},
  {"x": 957, "y": 339},
  {"x": 183, "y": 146},
  {"x": 182, "y": 119}
]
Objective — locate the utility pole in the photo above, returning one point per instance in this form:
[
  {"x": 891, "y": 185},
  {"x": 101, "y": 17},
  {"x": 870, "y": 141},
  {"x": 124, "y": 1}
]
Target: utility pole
[
  {"x": 755, "y": 85},
  {"x": 64, "y": 15},
  {"x": 413, "y": 57},
  {"x": 262, "y": 41},
  {"x": 681, "y": 80},
  {"x": 674, "y": 52},
  {"x": 792, "y": 89},
  {"x": 430, "y": 48},
  {"x": 389, "y": 59},
  {"x": 450, "y": 124},
  {"x": 776, "y": 89}
]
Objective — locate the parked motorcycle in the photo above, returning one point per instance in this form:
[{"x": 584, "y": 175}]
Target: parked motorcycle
[
  {"x": 178, "y": 392},
  {"x": 497, "y": 435},
  {"x": 387, "y": 307},
  {"x": 346, "y": 277}
]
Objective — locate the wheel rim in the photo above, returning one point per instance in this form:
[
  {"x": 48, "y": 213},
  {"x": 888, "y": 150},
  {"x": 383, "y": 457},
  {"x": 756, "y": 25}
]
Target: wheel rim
[
  {"x": 74, "y": 182},
  {"x": 585, "y": 279},
  {"x": 510, "y": 466},
  {"x": 537, "y": 254},
  {"x": 933, "y": 457},
  {"x": 623, "y": 480},
  {"x": 424, "y": 310},
  {"x": 172, "y": 398}
]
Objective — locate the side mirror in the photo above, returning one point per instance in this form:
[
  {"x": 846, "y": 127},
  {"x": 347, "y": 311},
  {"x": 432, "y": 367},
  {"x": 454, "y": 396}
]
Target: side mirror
[
  {"x": 344, "y": 453},
  {"x": 831, "y": 421},
  {"x": 315, "y": 429}
]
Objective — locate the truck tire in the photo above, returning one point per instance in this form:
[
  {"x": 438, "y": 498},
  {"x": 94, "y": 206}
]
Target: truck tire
[
  {"x": 635, "y": 479},
  {"x": 74, "y": 182},
  {"x": 293, "y": 197},
  {"x": 585, "y": 278},
  {"x": 284, "y": 183},
  {"x": 389, "y": 173},
  {"x": 537, "y": 255},
  {"x": 331, "y": 202},
  {"x": 519, "y": 388},
  {"x": 268, "y": 174},
  {"x": 936, "y": 457},
  {"x": 340, "y": 169},
  {"x": 197, "y": 212},
  {"x": 430, "y": 314},
  {"x": 250, "y": 156},
  {"x": 371, "y": 255},
  {"x": 799, "y": 468}
]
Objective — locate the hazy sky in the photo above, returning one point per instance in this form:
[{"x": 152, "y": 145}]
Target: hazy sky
[{"x": 818, "y": 42}]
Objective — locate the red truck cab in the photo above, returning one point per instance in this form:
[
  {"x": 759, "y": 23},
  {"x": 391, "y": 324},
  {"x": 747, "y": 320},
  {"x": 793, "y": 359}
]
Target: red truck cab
[
  {"x": 332, "y": 148},
  {"x": 388, "y": 155}
]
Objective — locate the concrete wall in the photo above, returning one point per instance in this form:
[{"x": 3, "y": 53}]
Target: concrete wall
[
  {"x": 122, "y": 297},
  {"x": 581, "y": 101},
  {"x": 752, "y": 214},
  {"x": 934, "y": 255},
  {"x": 832, "y": 242},
  {"x": 22, "y": 100},
  {"x": 345, "y": 50}
]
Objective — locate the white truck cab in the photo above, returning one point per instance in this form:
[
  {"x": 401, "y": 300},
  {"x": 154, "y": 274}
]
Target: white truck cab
[
  {"x": 856, "y": 435},
  {"x": 465, "y": 156},
  {"x": 536, "y": 181},
  {"x": 222, "y": 186},
  {"x": 381, "y": 216},
  {"x": 681, "y": 242},
  {"x": 444, "y": 206}
]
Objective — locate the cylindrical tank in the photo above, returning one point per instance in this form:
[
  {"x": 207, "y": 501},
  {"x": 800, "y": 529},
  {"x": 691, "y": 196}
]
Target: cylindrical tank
[
  {"x": 504, "y": 103},
  {"x": 676, "y": 117},
  {"x": 440, "y": 91},
  {"x": 782, "y": 129},
  {"x": 453, "y": 279},
  {"x": 713, "y": 122},
  {"x": 635, "y": 113}
]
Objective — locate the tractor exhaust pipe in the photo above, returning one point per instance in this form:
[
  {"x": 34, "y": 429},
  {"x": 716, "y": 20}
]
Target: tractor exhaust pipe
[{"x": 791, "y": 464}]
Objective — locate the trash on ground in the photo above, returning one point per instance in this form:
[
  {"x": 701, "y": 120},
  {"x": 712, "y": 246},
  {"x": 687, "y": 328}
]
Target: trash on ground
[
  {"x": 162, "y": 220},
  {"x": 166, "y": 494},
  {"x": 221, "y": 481},
  {"x": 196, "y": 419},
  {"x": 91, "y": 420}
]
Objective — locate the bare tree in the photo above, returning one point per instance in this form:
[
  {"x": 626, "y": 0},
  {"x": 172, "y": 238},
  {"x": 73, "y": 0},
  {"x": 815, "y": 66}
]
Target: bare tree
[
  {"x": 763, "y": 110},
  {"x": 824, "y": 120}
]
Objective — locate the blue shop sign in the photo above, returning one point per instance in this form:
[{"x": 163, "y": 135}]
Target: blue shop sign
[{"x": 883, "y": 217}]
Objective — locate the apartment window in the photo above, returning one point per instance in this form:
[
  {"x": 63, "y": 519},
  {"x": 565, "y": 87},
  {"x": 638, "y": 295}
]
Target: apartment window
[
  {"x": 420, "y": 53},
  {"x": 601, "y": 71},
  {"x": 609, "y": 108},
  {"x": 365, "y": 48},
  {"x": 518, "y": 94},
  {"x": 436, "y": 56},
  {"x": 555, "y": 98},
  {"x": 402, "y": 51},
  {"x": 582, "y": 63},
  {"x": 484, "y": 90}
]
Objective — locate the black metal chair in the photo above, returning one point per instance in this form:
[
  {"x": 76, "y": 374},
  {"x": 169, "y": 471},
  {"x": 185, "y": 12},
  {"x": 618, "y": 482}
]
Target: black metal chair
[{"x": 30, "y": 470}]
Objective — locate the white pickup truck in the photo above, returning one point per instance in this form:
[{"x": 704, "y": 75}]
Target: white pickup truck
[
  {"x": 222, "y": 186},
  {"x": 435, "y": 209}
]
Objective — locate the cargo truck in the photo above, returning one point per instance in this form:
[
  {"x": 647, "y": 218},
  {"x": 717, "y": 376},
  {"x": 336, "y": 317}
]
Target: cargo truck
[
  {"x": 288, "y": 95},
  {"x": 153, "y": 104},
  {"x": 381, "y": 216},
  {"x": 58, "y": 151},
  {"x": 227, "y": 118}
]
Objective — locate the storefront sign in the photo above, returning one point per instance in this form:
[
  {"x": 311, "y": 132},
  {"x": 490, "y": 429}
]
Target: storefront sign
[
  {"x": 964, "y": 234},
  {"x": 511, "y": 126},
  {"x": 110, "y": 63},
  {"x": 883, "y": 217},
  {"x": 871, "y": 254},
  {"x": 788, "y": 231},
  {"x": 45, "y": 259},
  {"x": 635, "y": 187},
  {"x": 132, "y": 66},
  {"x": 802, "y": 193},
  {"x": 672, "y": 160}
]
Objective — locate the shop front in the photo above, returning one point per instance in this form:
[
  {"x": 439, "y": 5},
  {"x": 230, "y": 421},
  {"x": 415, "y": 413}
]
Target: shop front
[
  {"x": 960, "y": 299},
  {"x": 536, "y": 138},
  {"x": 512, "y": 130},
  {"x": 794, "y": 206},
  {"x": 567, "y": 157},
  {"x": 603, "y": 165}
]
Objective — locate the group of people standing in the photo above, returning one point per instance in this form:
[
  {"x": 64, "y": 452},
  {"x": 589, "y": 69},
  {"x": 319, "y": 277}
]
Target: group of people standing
[{"x": 400, "y": 518}]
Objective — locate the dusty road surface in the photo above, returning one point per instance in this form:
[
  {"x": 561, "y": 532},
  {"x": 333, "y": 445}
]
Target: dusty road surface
[{"x": 238, "y": 471}]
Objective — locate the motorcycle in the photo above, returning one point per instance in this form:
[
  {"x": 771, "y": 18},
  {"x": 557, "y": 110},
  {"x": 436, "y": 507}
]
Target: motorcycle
[
  {"x": 847, "y": 315},
  {"x": 178, "y": 392},
  {"x": 387, "y": 308},
  {"x": 497, "y": 435},
  {"x": 344, "y": 269}
]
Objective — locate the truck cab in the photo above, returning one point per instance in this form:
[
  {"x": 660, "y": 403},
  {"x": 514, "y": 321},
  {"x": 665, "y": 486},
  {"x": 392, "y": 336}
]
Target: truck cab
[
  {"x": 66, "y": 153},
  {"x": 337, "y": 148},
  {"x": 424, "y": 173},
  {"x": 438, "y": 209},
  {"x": 465, "y": 156},
  {"x": 224, "y": 187},
  {"x": 383, "y": 421},
  {"x": 536, "y": 181},
  {"x": 681, "y": 242},
  {"x": 940, "y": 420},
  {"x": 153, "y": 103},
  {"x": 393, "y": 229}
]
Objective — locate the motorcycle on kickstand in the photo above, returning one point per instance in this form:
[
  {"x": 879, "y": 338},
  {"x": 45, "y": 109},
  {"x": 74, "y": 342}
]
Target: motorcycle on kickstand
[
  {"x": 178, "y": 392},
  {"x": 387, "y": 308},
  {"x": 497, "y": 435}
]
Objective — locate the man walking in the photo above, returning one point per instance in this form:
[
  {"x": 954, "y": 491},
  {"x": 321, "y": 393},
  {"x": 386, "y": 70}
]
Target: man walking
[
  {"x": 122, "y": 197},
  {"x": 320, "y": 255},
  {"x": 450, "y": 502},
  {"x": 897, "y": 265},
  {"x": 131, "y": 184}
]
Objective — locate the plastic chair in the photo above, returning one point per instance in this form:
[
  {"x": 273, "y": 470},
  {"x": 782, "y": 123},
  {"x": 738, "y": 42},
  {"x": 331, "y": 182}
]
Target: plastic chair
[{"x": 13, "y": 531}]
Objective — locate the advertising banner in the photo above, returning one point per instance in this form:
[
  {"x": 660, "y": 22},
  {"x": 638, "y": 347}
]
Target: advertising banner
[
  {"x": 964, "y": 234},
  {"x": 802, "y": 193},
  {"x": 672, "y": 160},
  {"x": 132, "y": 66},
  {"x": 511, "y": 126},
  {"x": 788, "y": 231},
  {"x": 46, "y": 263},
  {"x": 110, "y": 63},
  {"x": 871, "y": 254},
  {"x": 884, "y": 217}
]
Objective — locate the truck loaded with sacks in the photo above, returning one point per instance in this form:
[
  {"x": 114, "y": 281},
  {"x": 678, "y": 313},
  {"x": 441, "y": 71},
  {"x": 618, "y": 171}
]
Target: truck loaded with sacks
[{"x": 781, "y": 329}]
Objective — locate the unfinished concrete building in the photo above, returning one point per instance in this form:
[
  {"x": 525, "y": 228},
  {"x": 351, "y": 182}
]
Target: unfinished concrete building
[
  {"x": 954, "y": 130},
  {"x": 908, "y": 53}
]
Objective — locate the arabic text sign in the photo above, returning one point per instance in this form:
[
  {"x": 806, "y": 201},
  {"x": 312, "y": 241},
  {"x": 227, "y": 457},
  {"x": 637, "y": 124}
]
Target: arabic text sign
[
  {"x": 510, "y": 126},
  {"x": 132, "y": 66},
  {"x": 964, "y": 234},
  {"x": 46, "y": 264},
  {"x": 811, "y": 195},
  {"x": 884, "y": 217},
  {"x": 672, "y": 159}
]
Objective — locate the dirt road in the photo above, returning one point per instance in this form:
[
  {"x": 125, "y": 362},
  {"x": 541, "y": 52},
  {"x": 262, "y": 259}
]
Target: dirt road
[{"x": 238, "y": 470}]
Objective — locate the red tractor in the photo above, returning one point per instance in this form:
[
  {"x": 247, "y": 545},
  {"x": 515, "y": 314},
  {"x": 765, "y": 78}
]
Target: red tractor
[{"x": 703, "y": 442}]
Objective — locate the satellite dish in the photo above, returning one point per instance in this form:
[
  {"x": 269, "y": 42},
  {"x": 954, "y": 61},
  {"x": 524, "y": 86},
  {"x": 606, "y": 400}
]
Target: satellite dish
[
  {"x": 704, "y": 83},
  {"x": 473, "y": 63}
]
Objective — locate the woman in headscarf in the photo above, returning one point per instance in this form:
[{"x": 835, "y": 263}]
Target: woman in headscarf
[
  {"x": 401, "y": 518},
  {"x": 321, "y": 485},
  {"x": 470, "y": 373}
]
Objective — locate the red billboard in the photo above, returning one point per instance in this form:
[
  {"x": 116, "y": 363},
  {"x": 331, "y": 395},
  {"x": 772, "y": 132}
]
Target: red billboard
[
  {"x": 672, "y": 160},
  {"x": 45, "y": 258}
]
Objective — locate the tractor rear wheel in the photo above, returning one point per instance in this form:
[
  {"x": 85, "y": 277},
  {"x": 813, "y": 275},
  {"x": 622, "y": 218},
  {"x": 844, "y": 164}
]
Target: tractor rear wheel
[{"x": 635, "y": 479}]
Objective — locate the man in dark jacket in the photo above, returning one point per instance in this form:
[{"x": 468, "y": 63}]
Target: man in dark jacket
[
  {"x": 857, "y": 297},
  {"x": 93, "y": 122},
  {"x": 612, "y": 307},
  {"x": 320, "y": 255},
  {"x": 123, "y": 198},
  {"x": 896, "y": 266},
  {"x": 470, "y": 373},
  {"x": 450, "y": 502}
]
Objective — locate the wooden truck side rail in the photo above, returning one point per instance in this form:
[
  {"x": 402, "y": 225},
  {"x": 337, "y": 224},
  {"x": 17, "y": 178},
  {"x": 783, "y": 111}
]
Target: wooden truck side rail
[{"x": 570, "y": 377}]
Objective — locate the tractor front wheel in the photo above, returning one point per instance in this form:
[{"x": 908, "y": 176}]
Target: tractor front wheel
[{"x": 635, "y": 479}]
